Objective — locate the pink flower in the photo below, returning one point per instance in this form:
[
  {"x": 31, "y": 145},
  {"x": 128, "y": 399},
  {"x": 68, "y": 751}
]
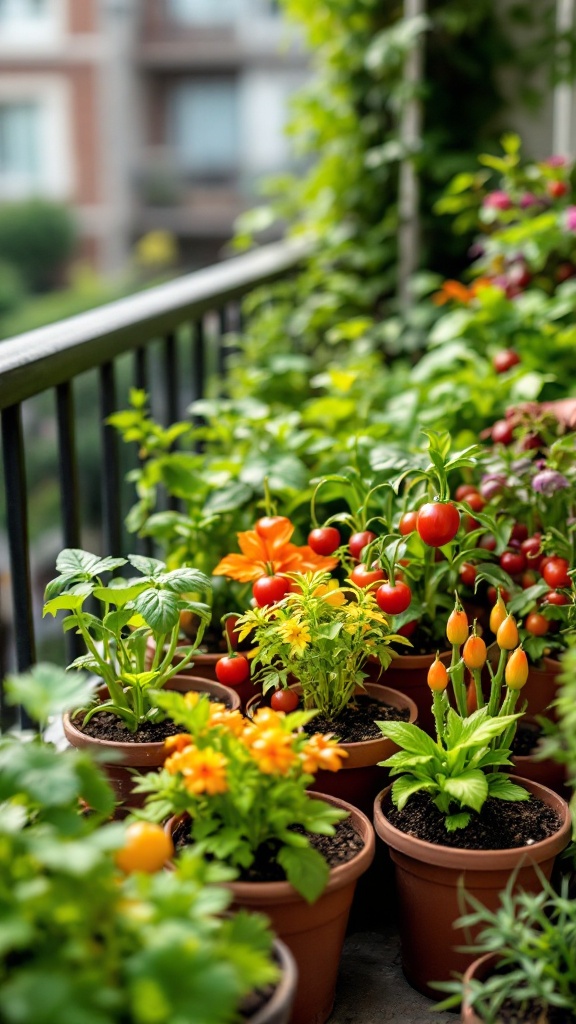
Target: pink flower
[
  {"x": 571, "y": 218},
  {"x": 529, "y": 199},
  {"x": 556, "y": 161},
  {"x": 497, "y": 200}
]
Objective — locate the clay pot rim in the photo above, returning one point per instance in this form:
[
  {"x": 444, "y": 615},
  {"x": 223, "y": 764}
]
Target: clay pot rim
[
  {"x": 389, "y": 696},
  {"x": 416, "y": 660},
  {"x": 82, "y": 739},
  {"x": 480, "y": 969},
  {"x": 285, "y": 987},
  {"x": 264, "y": 893},
  {"x": 203, "y": 656},
  {"x": 451, "y": 857}
]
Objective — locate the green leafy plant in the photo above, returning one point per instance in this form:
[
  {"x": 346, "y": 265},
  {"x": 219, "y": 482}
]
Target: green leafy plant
[
  {"x": 244, "y": 785},
  {"x": 129, "y": 613},
  {"x": 320, "y": 635},
  {"x": 80, "y": 939},
  {"x": 532, "y": 937}
]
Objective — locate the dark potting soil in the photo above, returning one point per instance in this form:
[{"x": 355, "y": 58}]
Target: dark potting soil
[
  {"x": 358, "y": 720},
  {"x": 106, "y": 726},
  {"x": 526, "y": 739},
  {"x": 258, "y": 998},
  {"x": 501, "y": 825},
  {"x": 336, "y": 849},
  {"x": 535, "y": 1012}
]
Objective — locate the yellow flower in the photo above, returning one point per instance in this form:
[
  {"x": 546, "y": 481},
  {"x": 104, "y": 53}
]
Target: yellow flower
[
  {"x": 223, "y": 716},
  {"x": 191, "y": 698},
  {"x": 273, "y": 752},
  {"x": 296, "y": 634},
  {"x": 322, "y": 752},
  {"x": 331, "y": 593},
  {"x": 178, "y": 742},
  {"x": 204, "y": 771}
]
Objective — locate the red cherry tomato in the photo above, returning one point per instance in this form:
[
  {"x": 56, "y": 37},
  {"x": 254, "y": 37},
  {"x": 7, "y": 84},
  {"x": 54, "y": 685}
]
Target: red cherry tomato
[
  {"x": 506, "y": 358},
  {"x": 528, "y": 579},
  {"x": 269, "y": 590},
  {"x": 556, "y": 189},
  {"x": 364, "y": 577},
  {"x": 555, "y": 597},
  {"x": 324, "y": 540},
  {"x": 513, "y": 562},
  {"x": 555, "y": 573},
  {"x": 464, "y": 490},
  {"x": 284, "y": 700},
  {"x": 408, "y": 628},
  {"x": 267, "y": 525},
  {"x": 475, "y": 501},
  {"x": 532, "y": 549},
  {"x": 438, "y": 523},
  {"x": 407, "y": 523},
  {"x": 502, "y": 432},
  {"x": 488, "y": 542},
  {"x": 358, "y": 542},
  {"x": 519, "y": 532},
  {"x": 468, "y": 574},
  {"x": 536, "y": 624},
  {"x": 393, "y": 598},
  {"x": 232, "y": 670},
  {"x": 493, "y": 594}
]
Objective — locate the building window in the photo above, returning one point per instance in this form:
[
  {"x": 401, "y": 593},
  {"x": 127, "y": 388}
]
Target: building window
[
  {"x": 30, "y": 23},
  {"x": 194, "y": 12},
  {"x": 203, "y": 128},
  {"x": 20, "y": 127}
]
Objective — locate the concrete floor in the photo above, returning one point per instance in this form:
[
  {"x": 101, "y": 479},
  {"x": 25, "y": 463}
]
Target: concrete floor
[{"x": 372, "y": 988}]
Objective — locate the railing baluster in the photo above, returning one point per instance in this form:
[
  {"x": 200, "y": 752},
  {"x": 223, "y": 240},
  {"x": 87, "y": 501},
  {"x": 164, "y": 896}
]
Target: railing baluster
[
  {"x": 220, "y": 351},
  {"x": 111, "y": 514},
  {"x": 141, "y": 369},
  {"x": 171, "y": 378},
  {"x": 198, "y": 360},
  {"x": 19, "y": 546},
  {"x": 69, "y": 488}
]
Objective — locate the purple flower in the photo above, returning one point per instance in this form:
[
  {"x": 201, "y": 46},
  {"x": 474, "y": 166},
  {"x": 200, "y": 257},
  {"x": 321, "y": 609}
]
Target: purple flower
[
  {"x": 548, "y": 481},
  {"x": 556, "y": 161},
  {"x": 497, "y": 200},
  {"x": 520, "y": 466},
  {"x": 529, "y": 199},
  {"x": 571, "y": 218},
  {"x": 491, "y": 485}
]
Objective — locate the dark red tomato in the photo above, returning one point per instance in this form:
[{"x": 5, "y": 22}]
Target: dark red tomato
[
  {"x": 531, "y": 442},
  {"x": 232, "y": 670},
  {"x": 475, "y": 501},
  {"x": 536, "y": 624},
  {"x": 284, "y": 700},
  {"x": 529, "y": 578},
  {"x": 493, "y": 594},
  {"x": 555, "y": 573},
  {"x": 488, "y": 542},
  {"x": 519, "y": 532},
  {"x": 532, "y": 549},
  {"x": 408, "y": 628},
  {"x": 565, "y": 271},
  {"x": 358, "y": 542},
  {"x": 468, "y": 574},
  {"x": 464, "y": 490},
  {"x": 556, "y": 189},
  {"x": 515, "y": 544},
  {"x": 506, "y": 358},
  {"x": 393, "y": 598},
  {"x": 438, "y": 523},
  {"x": 267, "y": 525},
  {"x": 555, "y": 597},
  {"x": 364, "y": 577},
  {"x": 502, "y": 432},
  {"x": 269, "y": 589},
  {"x": 513, "y": 562},
  {"x": 407, "y": 523},
  {"x": 324, "y": 540}
]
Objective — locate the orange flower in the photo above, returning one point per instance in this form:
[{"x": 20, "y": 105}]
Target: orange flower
[
  {"x": 231, "y": 720},
  {"x": 453, "y": 291},
  {"x": 260, "y": 554},
  {"x": 322, "y": 752},
  {"x": 203, "y": 771},
  {"x": 178, "y": 742},
  {"x": 272, "y": 750},
  {"x": 331, "y": 593}
]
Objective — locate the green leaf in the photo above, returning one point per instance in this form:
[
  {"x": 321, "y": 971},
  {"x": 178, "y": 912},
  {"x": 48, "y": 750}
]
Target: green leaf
[
  {"x": 159, "y": 609},
  {"x": 502, "y": 788},
  {"x": 406, "y": 786},
  {"x": 306, "y": 870},
  {"x": 454, "y": 821},
  {"x": 469, "y": 788},
  {"x": 49, "y": 690},
  {"x": 409, "y": 737}
]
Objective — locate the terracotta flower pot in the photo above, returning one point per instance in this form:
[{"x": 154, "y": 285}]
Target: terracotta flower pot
[
  {"x": 142, "y": 757},
  {"x": 314, "y": 933},
  {"x": 548, "y": 772},
  {"x": 203, "y": 666},
  {"x": 408, "y": 674},
  {"x": 360, "y": 778},
  {"x": 429, "y": 876},
  {"x": 479, "y": 969},
  {"x": 540, "y": 688},
  {"x": 278, "y": 1009}
]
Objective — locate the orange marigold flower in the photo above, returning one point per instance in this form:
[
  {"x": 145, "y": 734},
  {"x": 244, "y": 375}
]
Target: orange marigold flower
[
  {"x": 204, "y": 771},
  {"x": 272, "y": 750},
  {"x": 331, "y": 593},
  {"x": 274, "y": 550},
  {"x": 223, "y": 716},
  {"x": 268, "y": 718},
  {"x": 453, "y": 291},
  {"x": 322, "y": 752},
  {"x": 178, "y": 742},
  {"x": 191, "y": 698}
]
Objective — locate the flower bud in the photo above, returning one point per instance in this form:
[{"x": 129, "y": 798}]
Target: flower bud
[
  {"x": 498, "y": 614},
  {"x": 507, "y": 636},
  {"x": 438, "y": 678},
  {"x": 474, "y": 653},
  {"x": 516, "y": 672},
  {"x": 457, "y": 627}
]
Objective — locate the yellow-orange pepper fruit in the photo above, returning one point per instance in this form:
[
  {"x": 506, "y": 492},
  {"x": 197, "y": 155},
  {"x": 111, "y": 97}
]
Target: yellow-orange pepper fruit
[
  {"x": 474, "y": 653},
  {"x": 457, "y": 627},
  {"x": 516, "y": 672},
  {"x": 507, "y": 636},
  {"x": 498, "y": 614},
  {"x": 438, "y": 677}
]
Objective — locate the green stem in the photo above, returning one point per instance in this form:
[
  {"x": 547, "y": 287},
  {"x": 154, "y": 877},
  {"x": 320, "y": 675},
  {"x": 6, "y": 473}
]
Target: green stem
[
  {"x": 496, "y": 686},
  {"x": 456, "y": 673},
  {"x": 477, "y": 676},
  {"x": 438, "y": 706}
]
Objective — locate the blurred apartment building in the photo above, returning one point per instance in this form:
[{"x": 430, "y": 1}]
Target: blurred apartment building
[{"x": 145, "y": 114}]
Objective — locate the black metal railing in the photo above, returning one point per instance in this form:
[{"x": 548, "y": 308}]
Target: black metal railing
[{"x": 170, "y": 334}]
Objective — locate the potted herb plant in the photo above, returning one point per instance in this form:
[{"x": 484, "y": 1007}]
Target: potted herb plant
[
  {"x": 237, "y": 788},
  {"x": 453, "y": 817},
  {"x": 313, "y": 647},
  {"x": 90, "y": 928},
  {"x": 115, "y": 619}
]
